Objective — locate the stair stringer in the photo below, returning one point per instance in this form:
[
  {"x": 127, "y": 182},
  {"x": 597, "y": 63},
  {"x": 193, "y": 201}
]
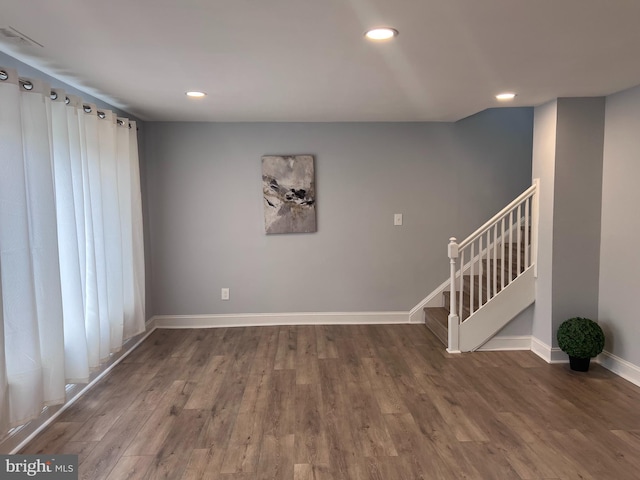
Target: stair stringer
[{"x": 497, "y": 312}]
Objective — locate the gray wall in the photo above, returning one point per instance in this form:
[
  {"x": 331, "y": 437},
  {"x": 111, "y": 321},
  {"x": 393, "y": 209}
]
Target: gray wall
[
  {"x": 206, "y": 211},
  {"x": 577, "y": 206},
  {"x": 619, "y": 260},
  {"x": 567, "y": 157}
]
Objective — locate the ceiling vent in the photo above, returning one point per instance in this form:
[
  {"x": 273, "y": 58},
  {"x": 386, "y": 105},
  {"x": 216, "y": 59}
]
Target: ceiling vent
[{"x": 15, "y": 37}]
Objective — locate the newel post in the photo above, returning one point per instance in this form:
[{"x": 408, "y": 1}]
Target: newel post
[{"x": 454, "y": 323}]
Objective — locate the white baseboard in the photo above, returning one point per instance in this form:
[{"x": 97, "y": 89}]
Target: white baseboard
[
  {"x": 265, "y": 319},
  {"x": 150, "y": 325},
  {"x": 505, "y": 343},
  {"x": 434, "y": 299},
  {"x": 14, "y": 443},
  {"x": 547, "y": 353},
  {"x": 619, "y": 366}
]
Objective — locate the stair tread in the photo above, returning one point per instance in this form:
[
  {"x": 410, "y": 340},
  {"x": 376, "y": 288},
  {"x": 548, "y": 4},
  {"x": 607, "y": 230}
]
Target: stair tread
[{"x": 437, "y": 320}]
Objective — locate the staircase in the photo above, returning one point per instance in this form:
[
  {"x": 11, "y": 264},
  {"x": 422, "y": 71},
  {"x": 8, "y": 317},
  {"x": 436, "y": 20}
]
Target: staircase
[
  {"x": 496, "y": 282},
  {"x": 437, "y": 318}
]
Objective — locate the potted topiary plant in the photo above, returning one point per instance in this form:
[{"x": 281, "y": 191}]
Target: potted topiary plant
[{"x": 581, "y": 339}]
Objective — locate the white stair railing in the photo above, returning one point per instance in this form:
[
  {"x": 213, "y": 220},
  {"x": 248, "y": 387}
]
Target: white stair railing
[{"x": 491, "y": 258}]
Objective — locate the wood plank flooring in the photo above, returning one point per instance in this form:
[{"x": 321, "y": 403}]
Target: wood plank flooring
[{"x": 345, "y": 402}]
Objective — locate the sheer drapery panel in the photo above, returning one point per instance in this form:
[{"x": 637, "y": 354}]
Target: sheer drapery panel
[{"x": 71, "y": 254}]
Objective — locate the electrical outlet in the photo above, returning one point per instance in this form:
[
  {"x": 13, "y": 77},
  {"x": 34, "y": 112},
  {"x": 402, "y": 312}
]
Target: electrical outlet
[
  {"x": 397, "y": 219},
  {"x": 224, "y": 294}
]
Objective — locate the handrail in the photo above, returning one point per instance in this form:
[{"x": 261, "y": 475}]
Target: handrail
[{"x": 497, "y": 217}]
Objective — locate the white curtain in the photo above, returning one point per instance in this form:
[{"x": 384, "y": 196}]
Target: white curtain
[{"x": 71, "y": 252}]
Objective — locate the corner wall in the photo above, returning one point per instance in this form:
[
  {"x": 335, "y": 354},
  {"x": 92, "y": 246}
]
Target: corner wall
[
  {"x": 619, "y": 261},
  {"x": 567, "y": 157},
  {"x": 577, "y": 209}
]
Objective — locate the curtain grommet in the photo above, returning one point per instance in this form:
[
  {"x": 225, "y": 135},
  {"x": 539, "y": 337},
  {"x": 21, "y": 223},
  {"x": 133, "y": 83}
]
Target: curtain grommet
[{"x": 26, "y": 84}]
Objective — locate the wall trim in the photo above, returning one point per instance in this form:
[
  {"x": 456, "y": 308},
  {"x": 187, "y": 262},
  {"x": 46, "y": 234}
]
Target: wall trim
[
  {"x": 416, "y": 315},
  {"x": 18, "y": 440},
  {"x": 608, "y": 360},
  {"x": 620, "y": 367},
  {"x": 547, "y": 353},
  {"x": 507, "y": 342},
  {"x": 270, "y": 319}
]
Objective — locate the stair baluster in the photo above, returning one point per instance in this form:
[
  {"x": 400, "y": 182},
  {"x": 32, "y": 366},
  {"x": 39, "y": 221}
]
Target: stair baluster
[{"x": 492, "y": 247}]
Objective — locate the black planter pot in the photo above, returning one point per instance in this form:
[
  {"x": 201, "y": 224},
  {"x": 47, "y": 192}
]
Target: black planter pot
[{"x": 579, "y": 364}]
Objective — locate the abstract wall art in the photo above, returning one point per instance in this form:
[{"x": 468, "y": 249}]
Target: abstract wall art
[{"x": 288, "y": 188}]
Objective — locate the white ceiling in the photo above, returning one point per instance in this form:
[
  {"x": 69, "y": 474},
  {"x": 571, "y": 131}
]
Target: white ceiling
[{"x": 307, "y": 60}]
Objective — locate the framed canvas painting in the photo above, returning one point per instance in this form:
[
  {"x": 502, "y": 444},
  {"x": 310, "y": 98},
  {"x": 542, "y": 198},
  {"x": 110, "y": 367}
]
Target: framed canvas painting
[{"x": 288, "y": 188}]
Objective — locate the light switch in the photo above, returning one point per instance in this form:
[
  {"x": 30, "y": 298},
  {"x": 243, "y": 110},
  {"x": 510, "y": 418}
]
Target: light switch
[{"x": 397, "y": 219}]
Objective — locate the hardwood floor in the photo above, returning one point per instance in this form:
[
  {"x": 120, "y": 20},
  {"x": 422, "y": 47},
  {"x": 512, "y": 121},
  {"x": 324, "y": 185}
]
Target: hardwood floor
[{"x": 345, "y": 402}]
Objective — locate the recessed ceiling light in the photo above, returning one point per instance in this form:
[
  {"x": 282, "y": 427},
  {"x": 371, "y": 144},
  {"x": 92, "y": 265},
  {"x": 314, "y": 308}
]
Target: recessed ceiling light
[
  {"x": 196, "y": 94},
  {"x": 382, "y": 33},
  {"x": 506, "y": 96}
]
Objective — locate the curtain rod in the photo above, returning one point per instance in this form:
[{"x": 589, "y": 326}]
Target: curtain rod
[{"x": 28, "y": 85}]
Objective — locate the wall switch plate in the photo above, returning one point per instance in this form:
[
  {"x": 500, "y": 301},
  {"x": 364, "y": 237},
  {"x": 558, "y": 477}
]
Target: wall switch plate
[
  {"x": 224, "y": 294},
  {"x": 397, "y": 219}
]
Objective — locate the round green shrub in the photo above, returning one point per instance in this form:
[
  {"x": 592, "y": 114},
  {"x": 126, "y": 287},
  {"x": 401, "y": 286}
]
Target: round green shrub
[{"x": 580, "y": 337}]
